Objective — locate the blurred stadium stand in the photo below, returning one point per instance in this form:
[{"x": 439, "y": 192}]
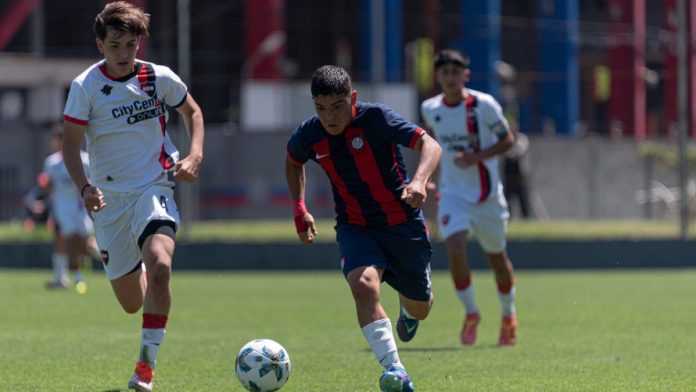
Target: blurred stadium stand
[{"x": 251, "y": 62}]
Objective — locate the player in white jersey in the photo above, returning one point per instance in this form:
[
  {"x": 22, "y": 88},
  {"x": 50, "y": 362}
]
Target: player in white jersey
[
  {"x": 472, "y": 132},
  {"x": 118, "y": 104},
  {"x": 72, "y": 235}
]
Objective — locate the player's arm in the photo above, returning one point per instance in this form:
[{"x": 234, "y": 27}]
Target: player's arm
[
  {"x": 187, "y": 168},
  {"x": 304, "y": 221},
  {"x": 73, "y": 134},
  {"x": 414, "y": 193}
]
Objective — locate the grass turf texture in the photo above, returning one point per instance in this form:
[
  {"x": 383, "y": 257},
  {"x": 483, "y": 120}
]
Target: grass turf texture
[
  {"x": 579, "y": 331},
  {"x": 264, "y": 231}
]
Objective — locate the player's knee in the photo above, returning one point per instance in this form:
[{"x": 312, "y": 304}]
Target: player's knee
[
  {"x": 159, "y": 273},
  {"x": 363, "y": 287},
  {"x": 456, "y": 250},
  {"x": 420, "y": 310}
]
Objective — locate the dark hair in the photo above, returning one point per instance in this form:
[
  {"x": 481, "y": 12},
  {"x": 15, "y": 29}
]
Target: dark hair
[
  {"x": 124, "y": 17},
  {"x": 451, "y": 56},
  {"x": 331, "y": 80}
]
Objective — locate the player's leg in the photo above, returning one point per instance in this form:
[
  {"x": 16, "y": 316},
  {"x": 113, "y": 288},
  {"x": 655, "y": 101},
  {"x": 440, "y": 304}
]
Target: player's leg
[
  {"x": 365, "y": 283},
  {"x": 505, "y": 280},
  {"x": 130, "y": 289},
  {"x": 491, "y": 228},
  {"x": 155, "y": 221},
  {"x": 362, "y": 264},
  {"x": 74, "y": 245},
  {"x": 408, "y": 251},
  {"x": 59, "y": 262},
  {"x": 455, "y": 223}
]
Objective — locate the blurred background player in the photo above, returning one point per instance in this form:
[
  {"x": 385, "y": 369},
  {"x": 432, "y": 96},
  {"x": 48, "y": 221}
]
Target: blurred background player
[
  {"x": 380, "y": 227},
  {"x": 73, "y": 227},
  {"x": 472, "y": 130},
  {"x": 517, "y": 172},
  {"x": 118, "y": 104},
  {"x": 36, "y": 205}
]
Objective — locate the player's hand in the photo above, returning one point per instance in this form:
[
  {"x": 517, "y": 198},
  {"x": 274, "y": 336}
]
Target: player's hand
[
  {"x": 93, "y": 199},
  {"x": 307, "y": 235},
  {"x": 464, "y": 159},
  {"x": 414, "y": 194},
  {"x": 187, "y": 169}
]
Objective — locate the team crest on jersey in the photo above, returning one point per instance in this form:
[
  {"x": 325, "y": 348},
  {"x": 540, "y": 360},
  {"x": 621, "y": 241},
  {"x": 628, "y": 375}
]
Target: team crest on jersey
[
  {"x": 357, "y": 143},
  {"x": 106, "y": 90},
  {"x": 104, "y": 256}
]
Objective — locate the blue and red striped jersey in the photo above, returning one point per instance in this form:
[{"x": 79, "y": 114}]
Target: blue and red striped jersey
[{"x": 363, "y": 163}]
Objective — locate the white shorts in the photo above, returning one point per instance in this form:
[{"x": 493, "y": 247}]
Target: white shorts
[
  {"x": 488, "y": 220},
  {"x": 119, "y": 225},
  {"x": 72, "y": 218}
]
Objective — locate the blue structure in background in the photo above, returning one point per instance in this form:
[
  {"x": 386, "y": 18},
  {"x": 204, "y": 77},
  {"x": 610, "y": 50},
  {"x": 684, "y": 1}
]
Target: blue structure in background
[
  {"x": 394, "y": 45},
  {"x": 558, "y": 63},
  {"x": 480, "y": 39},
  {"x": 382, "y": 40}
]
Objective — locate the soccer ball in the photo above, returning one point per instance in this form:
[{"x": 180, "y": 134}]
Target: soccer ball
[{"x": 263, "y": 365}]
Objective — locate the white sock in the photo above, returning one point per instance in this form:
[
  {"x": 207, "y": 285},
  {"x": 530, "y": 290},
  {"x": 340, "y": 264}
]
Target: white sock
[
  {"x": 468, "y": 299},
  {"x": 59, "y": 261},
  {"x": 150, "y": 344},
  {"x": 79, "y": 277},
  {"x": 380, "y": 338},
  {"x": 507, "y": 302}
]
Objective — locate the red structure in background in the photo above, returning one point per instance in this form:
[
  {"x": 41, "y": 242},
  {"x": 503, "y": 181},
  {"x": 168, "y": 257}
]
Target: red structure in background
[
  {"x": 627, "y": 104},
  {"x": 12, "y": 19},
  {"x": 671, "y": 67},
  {"x": 264, "y": 39}
]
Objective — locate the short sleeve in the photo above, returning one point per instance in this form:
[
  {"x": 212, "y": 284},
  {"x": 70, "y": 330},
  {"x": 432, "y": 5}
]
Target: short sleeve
[
  {"x": 399, "y": 130},
  {"x": 298, "y": 152},
  {"x": 77, "y": 107},
  {"x": 494, "y": 118},
  {"x": 425, "y": 114},
  {"x": 172, "y": 90}
]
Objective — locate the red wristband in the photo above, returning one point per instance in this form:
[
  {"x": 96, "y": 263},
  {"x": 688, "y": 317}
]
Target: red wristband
[{"x": 299, "y": 210}]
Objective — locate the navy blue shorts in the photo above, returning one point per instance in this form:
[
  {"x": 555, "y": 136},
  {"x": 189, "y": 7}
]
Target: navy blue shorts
[{"x": 403, "y": 251}]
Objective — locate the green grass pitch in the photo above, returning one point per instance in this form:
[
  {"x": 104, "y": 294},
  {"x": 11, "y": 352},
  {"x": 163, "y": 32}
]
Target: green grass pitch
[{"x": 615, "y": 330}]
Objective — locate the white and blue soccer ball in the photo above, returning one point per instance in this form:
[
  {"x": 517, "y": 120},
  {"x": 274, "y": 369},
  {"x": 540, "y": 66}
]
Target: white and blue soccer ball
[{"x": 263, "y": 365}]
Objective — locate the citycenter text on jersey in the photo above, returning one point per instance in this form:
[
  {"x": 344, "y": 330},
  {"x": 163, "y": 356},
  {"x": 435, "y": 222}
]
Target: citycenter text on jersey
[{"x": 155, "y": 107}]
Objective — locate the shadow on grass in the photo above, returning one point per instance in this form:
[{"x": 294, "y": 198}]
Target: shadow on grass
[{"x": 402, "y": 349}]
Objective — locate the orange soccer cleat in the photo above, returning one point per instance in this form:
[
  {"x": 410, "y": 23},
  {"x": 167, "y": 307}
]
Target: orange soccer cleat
[
  {"x": 471, "y": 322},
  {"x": 142, "y": 378},
  {"x": 507, "y": 331}
]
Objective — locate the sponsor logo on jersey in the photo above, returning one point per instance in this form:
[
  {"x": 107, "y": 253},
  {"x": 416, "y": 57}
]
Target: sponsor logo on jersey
[
  {"x": 136, "y": 106},
  {"x": 142, "y": 116}
]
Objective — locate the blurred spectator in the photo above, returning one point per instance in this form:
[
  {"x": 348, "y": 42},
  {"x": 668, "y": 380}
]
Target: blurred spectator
[{"x": 516, "y": 172}]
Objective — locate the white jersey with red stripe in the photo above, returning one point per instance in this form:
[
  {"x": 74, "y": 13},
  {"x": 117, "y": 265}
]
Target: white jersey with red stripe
[
  {"x": 125, "y": 124},
  {"x": 473, "y": 125}
]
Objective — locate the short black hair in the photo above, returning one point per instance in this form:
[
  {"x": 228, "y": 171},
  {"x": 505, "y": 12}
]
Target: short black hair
[
  {"x": 331, "y": 80},
  {"x": 451, "y": 56}
]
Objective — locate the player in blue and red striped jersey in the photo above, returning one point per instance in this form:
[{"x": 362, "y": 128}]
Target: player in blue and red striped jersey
[
  {"x": 379, "y": 222},
  {"x": 473, "y": 132}
]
